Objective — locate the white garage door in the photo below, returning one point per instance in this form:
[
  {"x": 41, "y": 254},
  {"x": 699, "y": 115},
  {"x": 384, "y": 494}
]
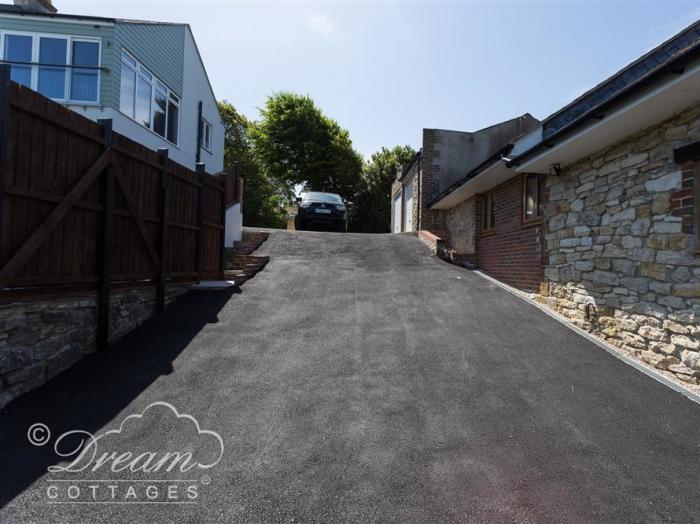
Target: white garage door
[
  {"x": 408, "y": 208},
  {"x": 396, "y": 214}
]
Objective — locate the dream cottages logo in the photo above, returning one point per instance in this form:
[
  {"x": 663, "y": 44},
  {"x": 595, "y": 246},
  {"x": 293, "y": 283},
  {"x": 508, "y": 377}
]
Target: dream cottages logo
[{"x": 158, "y": 456}]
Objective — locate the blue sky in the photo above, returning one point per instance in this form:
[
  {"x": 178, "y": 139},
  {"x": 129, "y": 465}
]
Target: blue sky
[{"x": 385, "y": 70}]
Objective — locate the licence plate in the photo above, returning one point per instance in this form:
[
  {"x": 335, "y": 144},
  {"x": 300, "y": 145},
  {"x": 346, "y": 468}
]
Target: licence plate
[{"x": 324, "y": 211}]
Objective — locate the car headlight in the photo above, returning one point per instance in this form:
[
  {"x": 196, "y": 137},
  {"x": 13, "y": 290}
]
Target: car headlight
[{"x": 340, "y": 207}]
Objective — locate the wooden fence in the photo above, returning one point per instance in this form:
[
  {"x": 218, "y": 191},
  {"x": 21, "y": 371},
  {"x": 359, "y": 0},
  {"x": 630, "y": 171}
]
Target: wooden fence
[{"x": 82, "y": 207}]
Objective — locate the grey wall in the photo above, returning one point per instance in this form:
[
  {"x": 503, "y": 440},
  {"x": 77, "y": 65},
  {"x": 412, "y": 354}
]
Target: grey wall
[{"x": 160, "y": 47}]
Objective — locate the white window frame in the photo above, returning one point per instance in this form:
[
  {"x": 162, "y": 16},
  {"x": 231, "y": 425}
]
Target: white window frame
[
  {"x": 206, "y": 144},
  {"x": 146, "y": 74},
  {"x": 36, "y": 46}
]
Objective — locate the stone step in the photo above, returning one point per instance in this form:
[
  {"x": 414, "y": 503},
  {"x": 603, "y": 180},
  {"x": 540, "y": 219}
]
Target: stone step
[{"x": 240, "y": 264}]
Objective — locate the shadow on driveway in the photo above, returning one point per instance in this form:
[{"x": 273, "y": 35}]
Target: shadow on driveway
[{"x": 92, "y": 392}]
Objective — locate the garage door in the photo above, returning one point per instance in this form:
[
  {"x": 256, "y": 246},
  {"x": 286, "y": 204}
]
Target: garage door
[
  {"x": 408, "y": 208},
  {"x": 396, "y": 215}
]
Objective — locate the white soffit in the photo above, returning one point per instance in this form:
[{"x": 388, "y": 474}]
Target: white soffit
[
  {"x": 490, "y": 177},
  {"x": 653, "y": 105}
]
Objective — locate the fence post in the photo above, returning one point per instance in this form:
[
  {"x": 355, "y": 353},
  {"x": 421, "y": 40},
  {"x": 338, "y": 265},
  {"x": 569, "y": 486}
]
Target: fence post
[
  {"x": 199, "y": 255},
  {"x": 226, "y": 179},
  {"x": 106, "y": 244},
  {"x": 163, "y": 233},
  {"x": 4, "y": 138}
]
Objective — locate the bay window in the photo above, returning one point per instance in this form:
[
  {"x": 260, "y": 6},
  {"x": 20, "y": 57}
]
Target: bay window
[
  {"x": 147, "y": 100},
  {"x": 62, "y": 68}
]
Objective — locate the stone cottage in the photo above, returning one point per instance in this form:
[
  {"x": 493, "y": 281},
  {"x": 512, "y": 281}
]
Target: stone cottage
[
  {"x": 595, "y": 210},
  {"x": 621, "y": 214}
]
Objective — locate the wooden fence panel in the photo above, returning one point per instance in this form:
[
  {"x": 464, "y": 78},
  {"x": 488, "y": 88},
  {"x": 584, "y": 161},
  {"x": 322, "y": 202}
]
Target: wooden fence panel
[{"x": 51, "y": 226}]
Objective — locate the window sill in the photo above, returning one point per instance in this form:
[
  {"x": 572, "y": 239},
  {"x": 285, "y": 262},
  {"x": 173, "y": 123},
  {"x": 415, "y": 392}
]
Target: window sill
[
  {"x": 488, "y": 232},
  {"x": 533, "y": 222}
]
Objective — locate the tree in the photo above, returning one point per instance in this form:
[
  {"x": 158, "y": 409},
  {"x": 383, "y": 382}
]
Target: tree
[
  {"x": 298, "y": 145},
  {"x": 371, "y": 210},
  {"x": 264, "y": 198}
]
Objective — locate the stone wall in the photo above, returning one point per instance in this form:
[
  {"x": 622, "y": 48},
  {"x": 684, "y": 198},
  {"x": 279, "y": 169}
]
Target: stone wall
[
  {"x": 41, "y": 337},
  {"x": 460, "y": 222},
  {"x": 621, "y": 248}
]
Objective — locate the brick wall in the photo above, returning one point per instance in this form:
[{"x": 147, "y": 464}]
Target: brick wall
[
  {"x": 682, "y": 200},
  {"x": 424, "y": 218},
  {"x": 513, "y": 252}
]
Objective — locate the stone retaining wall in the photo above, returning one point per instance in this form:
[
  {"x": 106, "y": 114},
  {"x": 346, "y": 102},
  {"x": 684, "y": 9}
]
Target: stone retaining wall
[
  {"x": 621, "y": 247},
  {"x": 41, "y": 337}
]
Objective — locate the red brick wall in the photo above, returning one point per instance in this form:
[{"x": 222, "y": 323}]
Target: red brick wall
[
  {"x": 513, "y": 252},
  {"x": 682, "y": 201}
]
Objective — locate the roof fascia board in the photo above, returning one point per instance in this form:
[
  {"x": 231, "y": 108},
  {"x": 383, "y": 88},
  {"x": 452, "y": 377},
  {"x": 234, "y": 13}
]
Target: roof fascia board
[
  {"x": 73, "y": 19},
  {"x": 621, "y": 109}
]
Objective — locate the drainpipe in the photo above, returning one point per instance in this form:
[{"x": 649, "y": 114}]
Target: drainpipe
[
  {"x": 199, "y": 133},
  {"x": 419, "y": 217}
]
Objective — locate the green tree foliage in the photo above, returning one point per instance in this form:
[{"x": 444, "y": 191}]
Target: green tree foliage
[
  {"x": 299, "y": 145},
  {"x": 371, "y": 209},
  {"x": 295, "y": 144},
  {"x": 264, "y": 198}
]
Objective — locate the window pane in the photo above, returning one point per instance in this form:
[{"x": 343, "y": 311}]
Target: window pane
[
  {"x": 143, "y": 102},
  {"x": 127, "y": 58},
  {"x": 492, "y": 211},
  {"x": 531, "y": 197},
  {"x": 128, "y": 87},
  {"x": 52, "y": 80},
  {"x": 173, "y": 118},
  {"x": 19, "y": 49},
  {"x": 159, "y": 109},
  {"x": 86, "y": 54},
  {"x": 84, "y": 81},
  {"x": 84, "y": 85}
]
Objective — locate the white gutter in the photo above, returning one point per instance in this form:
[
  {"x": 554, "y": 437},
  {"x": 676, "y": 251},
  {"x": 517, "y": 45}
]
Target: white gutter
[{"x": 66, "y": 20}]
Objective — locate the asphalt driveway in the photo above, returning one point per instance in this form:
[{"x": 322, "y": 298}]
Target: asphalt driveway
[{"x": 359, "y": 378}]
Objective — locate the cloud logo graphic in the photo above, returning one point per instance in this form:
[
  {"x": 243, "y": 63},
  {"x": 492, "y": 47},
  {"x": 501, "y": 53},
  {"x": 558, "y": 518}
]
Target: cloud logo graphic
[{"x": 158, "y": 439}]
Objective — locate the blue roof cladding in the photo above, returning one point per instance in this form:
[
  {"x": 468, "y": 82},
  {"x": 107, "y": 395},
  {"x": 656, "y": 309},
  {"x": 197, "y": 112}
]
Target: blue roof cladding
[{"x": 685, "y": 41}]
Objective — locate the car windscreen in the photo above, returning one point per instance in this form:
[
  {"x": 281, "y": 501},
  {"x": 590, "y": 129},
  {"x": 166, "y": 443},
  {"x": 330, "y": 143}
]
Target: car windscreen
[{"x": 314, "y": 196}]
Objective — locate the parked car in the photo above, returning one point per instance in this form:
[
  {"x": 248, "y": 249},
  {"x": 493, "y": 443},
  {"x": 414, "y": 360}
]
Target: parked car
[{"x": 322, "y": 211}]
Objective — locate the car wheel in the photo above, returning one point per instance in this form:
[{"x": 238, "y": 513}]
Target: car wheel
[{"x": 298, "y": 224}]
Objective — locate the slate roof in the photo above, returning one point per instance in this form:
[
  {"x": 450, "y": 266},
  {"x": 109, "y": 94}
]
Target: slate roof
[{"x": 645, "y": 67}]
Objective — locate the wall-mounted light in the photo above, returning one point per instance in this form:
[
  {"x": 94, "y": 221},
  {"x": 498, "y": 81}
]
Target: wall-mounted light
[{"x": 555, "y": 170}]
